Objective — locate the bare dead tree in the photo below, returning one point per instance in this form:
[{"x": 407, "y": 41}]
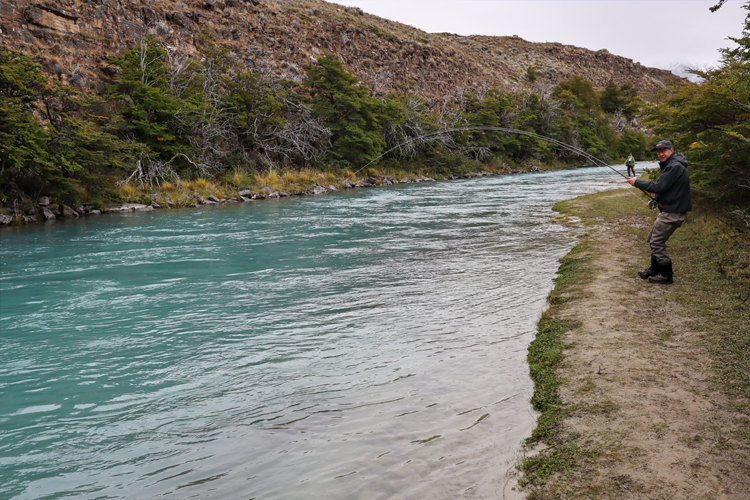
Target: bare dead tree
[
  {"x": 302, "y": 136},
  {"x": 151, "y": 171},
  {"x": 409, "y": 135},
  {"x": 618, "y": 120},
  {"x": 178, "y": 76},
  {"x": 148, "y": 65},
  {"x": 549, "y": 106},
  {"x": 477, "y": 153},
  {"x": 210, "y": 125},
  {"x": 276, "y": 137},
  {"x": 742, "y": 215},
  {"x": 449, "y": 117}
]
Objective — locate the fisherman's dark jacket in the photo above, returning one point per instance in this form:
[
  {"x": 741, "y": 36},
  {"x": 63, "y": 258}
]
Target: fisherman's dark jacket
[{"x": 672, "y": 188}]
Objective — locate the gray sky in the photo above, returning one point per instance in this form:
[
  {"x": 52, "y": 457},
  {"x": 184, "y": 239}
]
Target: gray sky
[{"x": 659, "y": 34}]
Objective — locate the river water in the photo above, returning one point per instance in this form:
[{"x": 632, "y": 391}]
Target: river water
[{"x": 365, "y": 344}]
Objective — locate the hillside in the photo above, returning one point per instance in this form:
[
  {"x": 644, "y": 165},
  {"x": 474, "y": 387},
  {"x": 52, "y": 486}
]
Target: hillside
[{"x": 75, "y": 40}]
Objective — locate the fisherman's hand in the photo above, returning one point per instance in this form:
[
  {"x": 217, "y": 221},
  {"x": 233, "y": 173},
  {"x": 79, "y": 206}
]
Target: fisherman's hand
[{"x": 631, "y": 180}]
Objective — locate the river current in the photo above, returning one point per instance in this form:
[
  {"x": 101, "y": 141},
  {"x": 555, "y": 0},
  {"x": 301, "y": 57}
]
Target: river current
[{"x": 366, "y": 344}]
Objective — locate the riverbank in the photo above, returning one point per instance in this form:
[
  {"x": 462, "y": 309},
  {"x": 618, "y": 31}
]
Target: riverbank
[
  {"x": 237, "y": 187},
  {"x": 642, "y": 389}
]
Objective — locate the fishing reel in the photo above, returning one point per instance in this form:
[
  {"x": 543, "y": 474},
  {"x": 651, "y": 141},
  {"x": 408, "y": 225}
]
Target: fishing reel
[{"x": 653, "y": 204}]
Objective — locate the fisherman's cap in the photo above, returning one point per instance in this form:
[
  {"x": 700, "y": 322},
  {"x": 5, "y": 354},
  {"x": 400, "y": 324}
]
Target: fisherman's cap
[{"x": 663, "y": 145}]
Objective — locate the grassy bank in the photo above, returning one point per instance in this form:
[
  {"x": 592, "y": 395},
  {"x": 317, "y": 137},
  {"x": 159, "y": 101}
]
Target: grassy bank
[
  {"x": 561, "y": 451},
  {"x": 712, "y": 261},
  {"x": 187, "y": 192},
  {"x": 292, "y": 181}
]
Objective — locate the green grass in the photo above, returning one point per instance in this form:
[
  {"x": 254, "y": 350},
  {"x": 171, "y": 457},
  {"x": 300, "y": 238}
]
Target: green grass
[
  {"x": 545, "y": 356},
  {"x": 715, "y": 260},
  {"x": 564, "y": 456}
]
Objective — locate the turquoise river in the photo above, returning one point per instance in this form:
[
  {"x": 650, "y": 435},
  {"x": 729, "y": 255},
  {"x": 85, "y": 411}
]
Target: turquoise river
[{"x": 367, "y": 344}]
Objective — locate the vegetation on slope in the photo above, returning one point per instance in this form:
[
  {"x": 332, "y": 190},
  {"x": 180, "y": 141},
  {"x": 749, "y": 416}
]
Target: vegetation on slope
[{"x": 168, "y": 119}]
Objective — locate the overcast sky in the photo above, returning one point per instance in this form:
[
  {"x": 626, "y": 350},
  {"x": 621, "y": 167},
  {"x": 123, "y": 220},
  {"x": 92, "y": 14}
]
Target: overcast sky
[{"x": 658, "y": 34}]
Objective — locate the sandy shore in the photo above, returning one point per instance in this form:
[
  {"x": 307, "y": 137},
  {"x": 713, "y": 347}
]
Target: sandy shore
[{"x": 639, "y": 398}]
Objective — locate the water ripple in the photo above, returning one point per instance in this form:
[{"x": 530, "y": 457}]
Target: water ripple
[{"x": 370, "y": 343}]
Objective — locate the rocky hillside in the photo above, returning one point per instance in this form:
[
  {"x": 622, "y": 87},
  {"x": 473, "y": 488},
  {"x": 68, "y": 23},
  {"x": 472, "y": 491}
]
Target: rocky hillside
[{"x": 75, "y": 40}]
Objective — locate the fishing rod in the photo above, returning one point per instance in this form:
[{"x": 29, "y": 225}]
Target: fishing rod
[{"x": 652, "y": 203}]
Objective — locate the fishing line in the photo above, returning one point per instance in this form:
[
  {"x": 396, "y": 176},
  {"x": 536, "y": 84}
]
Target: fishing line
[{"x": 596, "y": 161}]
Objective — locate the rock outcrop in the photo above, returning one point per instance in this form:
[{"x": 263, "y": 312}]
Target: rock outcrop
[{"x": 75, "y": 40}]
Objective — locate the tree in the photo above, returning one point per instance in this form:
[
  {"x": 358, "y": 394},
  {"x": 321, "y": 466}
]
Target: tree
[
  {"x": 610, "y": 99},
  {"x": 632, "y": 142},
  {"x": 273, "y": 124},
  {"x": 632, "y": 101},
  {"x": 23, "y": 139},
  {"x": 583, "y": 124},
  {"x": 582, "y": 89},
  {"x": 346, "y": 108},
  {"x": 205, "y": 116},
  {"x": 405, "y": 123},
  {"x": 50, "y": 139},
  {"x": 710, "y": 121},
  {"x": 146, "y": 103}
]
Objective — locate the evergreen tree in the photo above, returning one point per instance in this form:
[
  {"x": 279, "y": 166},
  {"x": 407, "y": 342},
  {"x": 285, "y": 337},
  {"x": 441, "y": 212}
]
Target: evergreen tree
[
  {"x": 631, "y": 100},
  {"x": 710, "y": 122},
  {"x": 23, "y": 139},
  {"x": 532, "y": 115},
  {"x": 632, "y": 142},
  {"x": 353, "y": 117},
  {"x": 50, "y": 140},
  {"x": 146, "y": 103},
  {"x": 494, "y": 109},
  {"x": 582, "y": 89},
  {"x": 611, "y": 99},
  {"x": 273, "y": 124},
  {"x": 582, "y": 123}
]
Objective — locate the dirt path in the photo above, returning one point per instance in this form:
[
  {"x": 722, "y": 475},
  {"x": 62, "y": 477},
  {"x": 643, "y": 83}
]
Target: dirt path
[{"x": 638, "y": 388}]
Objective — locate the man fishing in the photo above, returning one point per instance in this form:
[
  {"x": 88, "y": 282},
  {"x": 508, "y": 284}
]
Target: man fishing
[{"x": 672, "y": 193}]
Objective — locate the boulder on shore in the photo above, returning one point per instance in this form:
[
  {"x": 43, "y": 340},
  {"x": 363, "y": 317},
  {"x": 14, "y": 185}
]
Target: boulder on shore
[
  {"x": 47, "y": 214},
  {"x": 68, "y": 212}
]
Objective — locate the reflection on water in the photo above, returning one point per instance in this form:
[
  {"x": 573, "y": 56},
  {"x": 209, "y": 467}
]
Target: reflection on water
[{"x": 367, "y": 344}]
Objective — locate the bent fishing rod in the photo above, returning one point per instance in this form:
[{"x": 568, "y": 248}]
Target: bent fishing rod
[{"x": 652, "y": 203}]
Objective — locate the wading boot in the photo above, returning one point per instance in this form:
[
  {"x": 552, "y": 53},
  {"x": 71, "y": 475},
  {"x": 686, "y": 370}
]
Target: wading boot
[
  {"x": 665, "y": 275},
  {"x": 651, "y": 271}
]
